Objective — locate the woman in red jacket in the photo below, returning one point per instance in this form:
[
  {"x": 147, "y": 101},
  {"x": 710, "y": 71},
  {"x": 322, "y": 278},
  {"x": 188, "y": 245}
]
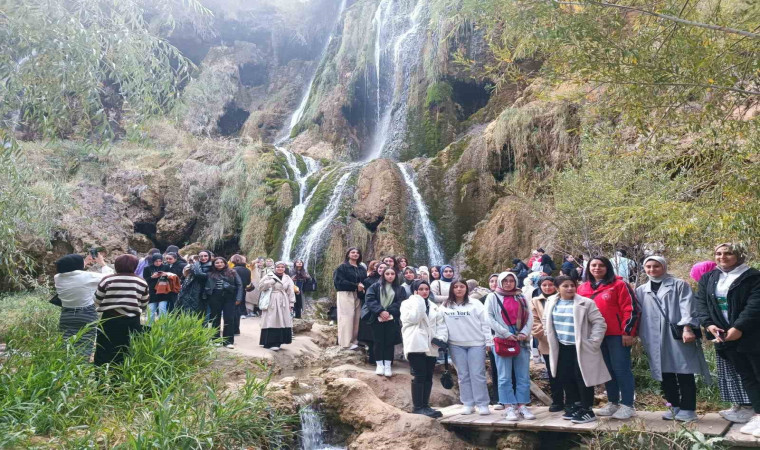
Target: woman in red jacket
[{"x": 617, "y": 303}]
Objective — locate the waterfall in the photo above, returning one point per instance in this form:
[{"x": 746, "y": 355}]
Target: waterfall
[
  {"x": 312, "y": 238},
  {"x": 435, "y": 252},
  {"x": 296, "y": 214},
  {"x": 311, "y": 430},
  {"x": 396, "y": 31},
  {"x": 312, "y": 166}
]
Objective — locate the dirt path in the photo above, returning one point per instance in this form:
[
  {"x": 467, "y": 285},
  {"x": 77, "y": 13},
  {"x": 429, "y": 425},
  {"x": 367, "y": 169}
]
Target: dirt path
[{"x": 247, "y": 344}]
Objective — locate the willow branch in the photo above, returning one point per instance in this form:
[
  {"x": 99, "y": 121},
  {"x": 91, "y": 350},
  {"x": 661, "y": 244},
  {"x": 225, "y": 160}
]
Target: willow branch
[
  {"x": 666, "y": 17},
  {"x": 706, "y": 86}
]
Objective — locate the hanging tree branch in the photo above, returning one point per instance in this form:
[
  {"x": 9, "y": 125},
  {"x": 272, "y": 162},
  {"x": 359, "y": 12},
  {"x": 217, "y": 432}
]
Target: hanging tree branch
[{"x": 664, "y": 16}]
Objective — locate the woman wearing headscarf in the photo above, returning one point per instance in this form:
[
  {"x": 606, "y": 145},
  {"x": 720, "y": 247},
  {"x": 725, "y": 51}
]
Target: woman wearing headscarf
[
  {"x": 701, "y": 268},
  {"x": 384, "y": 302},
  {"x": 423, "y": 273},
  {"x": 276, "y": 322},
  {"x": 617, "y": 303},
  {"x": 546, "y": 289},
  {"x": 374, "y": 268},
  {"x": 75, "y": 288},
  {"x": 728, "y": 306},
  {"x": 511, "y": 319},
  {"x": 174, "y": 264},
  {"x": 224, "y": 292},
  {"x": 440, "y": 288},
  {"x": 192, "y": 296},
  {"x": 159, "y": 302},
  {"x": 121, "y": 298},
  {"x": 469, "y": 340},
  {"x": 667, "y": 301},
  {"x": 421, "y": 322},
  {"x": 145, "y": 261},
  {"x": 409, "y": 277}
]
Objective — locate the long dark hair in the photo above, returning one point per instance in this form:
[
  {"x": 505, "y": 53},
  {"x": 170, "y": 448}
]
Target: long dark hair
[
  {"x": 382, "y": 280},
  {"x": 216, "y": 274},
  {"x": 609, "y": 277},
  {"x": 300, "y": 273},
  {"x": 453, "y": 298},
  {"x": 358, "y": 261},
  {"x": 437, "y": 269},
  {"x": 395, "y": 262}
]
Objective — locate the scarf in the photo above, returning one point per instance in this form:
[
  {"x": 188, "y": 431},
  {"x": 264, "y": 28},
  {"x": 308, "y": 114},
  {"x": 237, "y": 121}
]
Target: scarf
[
  {"x": 664, "y": 264},
  {"x": 448, "y": 280},
  {"x": 522, "y": 316},
  {"x": 387, "y": 294}
]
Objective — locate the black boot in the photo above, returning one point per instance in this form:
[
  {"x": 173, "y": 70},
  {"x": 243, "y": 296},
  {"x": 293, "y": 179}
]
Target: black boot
[
  {"x": 418, "y": 390},
  {"x": 430, "y": 412}
]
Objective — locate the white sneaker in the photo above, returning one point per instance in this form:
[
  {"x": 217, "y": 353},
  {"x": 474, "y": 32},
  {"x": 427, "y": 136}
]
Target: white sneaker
[
  {"x": 738, "y": 414},
  {"x": 387, "y": 369},
  {"x": 483, "y": 410},
  {"x": 670, "y": 414},
  {"x": 756, "y": 433},
  {"x": 751, "y": 426},
  {"x": 274, "y": 349},
  {"x": 217, "y": 344},
  {"x": 498, "y": 407},
  {"x": 230, "y": 346},
  {"x": 511, "y": 414},
  {"x": 467, "y": 410},
  {"x": 525, "y": 412},
  {"x": 624, "y": 413},
  {"x": 607, "y": 410},
  {"x": 380, "y": 368},
  {"x": 353, "y": 347}
]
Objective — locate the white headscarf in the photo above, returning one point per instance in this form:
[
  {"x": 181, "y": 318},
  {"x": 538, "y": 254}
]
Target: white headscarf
[{"x": 664, "y": 263}]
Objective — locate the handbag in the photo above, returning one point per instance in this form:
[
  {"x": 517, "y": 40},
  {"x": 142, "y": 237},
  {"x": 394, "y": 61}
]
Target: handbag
[
  {"x": 675, "y": 330},
  {"x": 504, "y": 347},
  {"x": 310, "y": 285},
  {"x": 55, "y": 300},
  {"x": 264, "y": 299},
  {"x": 447, "y": 381}
]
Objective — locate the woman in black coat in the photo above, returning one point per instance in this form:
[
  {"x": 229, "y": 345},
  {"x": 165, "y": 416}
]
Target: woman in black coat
[
  {"x": 224, "y": 291},
  {"x": 173, "y": 264},
  {"x": 245, "y": 278},
  {"x": 384, "y": 302},
  {"x": 365, "y": 329},
  {"x": 728, "y": 306}
]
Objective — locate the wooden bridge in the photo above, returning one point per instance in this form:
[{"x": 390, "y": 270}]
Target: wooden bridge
[{"x": 710, "y": 424}]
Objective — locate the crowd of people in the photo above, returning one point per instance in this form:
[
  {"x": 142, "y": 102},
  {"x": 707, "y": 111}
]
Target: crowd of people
[{"x": 580, "y": 320}]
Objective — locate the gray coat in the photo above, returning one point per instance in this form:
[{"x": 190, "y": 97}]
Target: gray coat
[{"x": 666, "y": 354}]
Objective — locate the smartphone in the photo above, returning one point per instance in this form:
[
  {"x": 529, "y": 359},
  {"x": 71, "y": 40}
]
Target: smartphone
[{"x": 94, "y": 253}]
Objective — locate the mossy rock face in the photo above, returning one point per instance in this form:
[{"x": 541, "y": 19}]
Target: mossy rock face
[
  {"x": 301, "y": 164},
  {"x": 318, "y": 203},
  {"x": 438, "y": 93}
]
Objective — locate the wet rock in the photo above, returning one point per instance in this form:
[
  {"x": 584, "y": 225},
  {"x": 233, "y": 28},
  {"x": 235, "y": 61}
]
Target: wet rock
[
  {"x": 378, "y": 425},
  {"x": 336, "y": 356},
  {"x": 302, "y": 326}
]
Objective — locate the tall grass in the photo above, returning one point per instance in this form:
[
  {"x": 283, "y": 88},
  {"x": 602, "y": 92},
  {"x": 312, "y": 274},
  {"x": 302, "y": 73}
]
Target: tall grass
[{"x": 166, "y": 394}]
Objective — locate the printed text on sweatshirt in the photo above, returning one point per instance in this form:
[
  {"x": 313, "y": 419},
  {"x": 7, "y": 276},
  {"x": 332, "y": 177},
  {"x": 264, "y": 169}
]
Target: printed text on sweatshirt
[{"x": 467, "y": 324}]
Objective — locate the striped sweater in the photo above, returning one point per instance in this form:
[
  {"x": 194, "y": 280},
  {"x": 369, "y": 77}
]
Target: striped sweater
[{"x": 122, "y": 293}]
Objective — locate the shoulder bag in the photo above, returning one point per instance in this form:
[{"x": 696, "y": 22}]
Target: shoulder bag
[
  {"x": 264, "y": 299},
  {"x": 447, "y": 381},
  {"x": 55, "y": 300},
  {"x": 675, "y": 330},
  {"x": 504, "y": 347}
]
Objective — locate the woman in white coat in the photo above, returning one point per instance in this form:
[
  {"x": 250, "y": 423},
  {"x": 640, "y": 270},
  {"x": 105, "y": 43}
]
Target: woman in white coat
[
  {"x": 276, "y": 321},
  {"x": 574, "y": 330},
  {"x": 440, "y": 288},
  {"x": 421, "y": 323},
  {"x": 666, "y": 300}
]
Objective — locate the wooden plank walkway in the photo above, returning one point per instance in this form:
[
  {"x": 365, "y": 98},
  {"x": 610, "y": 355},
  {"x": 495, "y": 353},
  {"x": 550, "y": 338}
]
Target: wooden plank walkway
[{"x": 710, "y": 424}]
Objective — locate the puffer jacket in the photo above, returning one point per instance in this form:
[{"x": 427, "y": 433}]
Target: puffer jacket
[
  {"x": 618, "y": 304},
  {"x": 420, "y": 323}
]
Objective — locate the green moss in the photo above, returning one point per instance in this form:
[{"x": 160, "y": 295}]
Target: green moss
[
  {"x": 317, "y": 204},
  {"x": 275, "y": 229},
  {"x": 467, "y": 177},
  {"x": 301, "y": 164},
  {"x": 438, "y": 93}
]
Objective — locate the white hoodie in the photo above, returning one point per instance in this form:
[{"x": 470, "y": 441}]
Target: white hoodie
[
  {"x": 418, "y": 328},
  {"x": 467, "y": 324}
]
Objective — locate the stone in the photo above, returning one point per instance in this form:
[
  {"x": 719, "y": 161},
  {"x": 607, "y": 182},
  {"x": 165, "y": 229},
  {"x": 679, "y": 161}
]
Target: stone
[
  {"x": 519, "y": 440},
  {"x": 140, "y": 243},
  {"x": 324, "y": 335},
  {"x": 302, "y": 326}
]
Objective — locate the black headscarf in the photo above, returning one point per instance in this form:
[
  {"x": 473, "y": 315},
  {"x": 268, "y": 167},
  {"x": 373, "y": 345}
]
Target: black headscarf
[
  {"x": 69, "y": 263},
  {"x": 172, "y": 249}
]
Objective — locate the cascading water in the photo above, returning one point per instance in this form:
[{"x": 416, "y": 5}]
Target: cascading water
[
  {"x": 310, "y": 241},
  {"x": 312, "y": 166},
  {"x": 435, "y": 252}
]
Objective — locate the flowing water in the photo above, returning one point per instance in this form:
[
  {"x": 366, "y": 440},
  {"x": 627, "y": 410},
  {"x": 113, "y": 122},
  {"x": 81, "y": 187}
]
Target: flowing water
[
  {"x": 312, "y": 432},
  {"x": 434, "y": 250}
]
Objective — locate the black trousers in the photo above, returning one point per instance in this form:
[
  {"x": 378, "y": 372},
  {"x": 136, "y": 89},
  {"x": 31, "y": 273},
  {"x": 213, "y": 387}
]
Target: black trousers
[
  {"x": 221, "y": 304},
  {"x": 114, "y": 336},
  {"x": 239, "y": 311},
  {"x": 680, "y": 390},
  {"x": 494, "y": 392},
  {"x": 422, "y": 367},
  {"x": 569, "y": 373},
  {"x": 748, "y": 367},
  {"x": 298, "y": 307},
  {"x": 385, "y": 338},
  {"x": 555, "y": 385}
]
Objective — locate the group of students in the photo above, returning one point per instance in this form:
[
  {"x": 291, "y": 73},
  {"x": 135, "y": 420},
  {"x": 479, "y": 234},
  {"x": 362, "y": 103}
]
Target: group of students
[
  {"x": 207, "y": 286},
  {"x": 585, "y": 329}
]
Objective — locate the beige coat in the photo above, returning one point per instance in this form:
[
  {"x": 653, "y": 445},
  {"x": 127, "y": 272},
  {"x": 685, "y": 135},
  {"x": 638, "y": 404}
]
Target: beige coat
[
  {"x": 252, "y": 297},
  {"x": 589, "y": 333},
  {"x": 538, "y": 324},
  {"x": 283, "y": 298}
]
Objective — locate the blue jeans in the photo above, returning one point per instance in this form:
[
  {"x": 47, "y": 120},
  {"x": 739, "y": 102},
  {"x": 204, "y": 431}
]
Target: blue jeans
[
  {"x": 618, "y": 361},
  {"x": 152, "y": 307},
  {"x": 471, "y": 372},
  {"x": 521, "y": 363}
]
